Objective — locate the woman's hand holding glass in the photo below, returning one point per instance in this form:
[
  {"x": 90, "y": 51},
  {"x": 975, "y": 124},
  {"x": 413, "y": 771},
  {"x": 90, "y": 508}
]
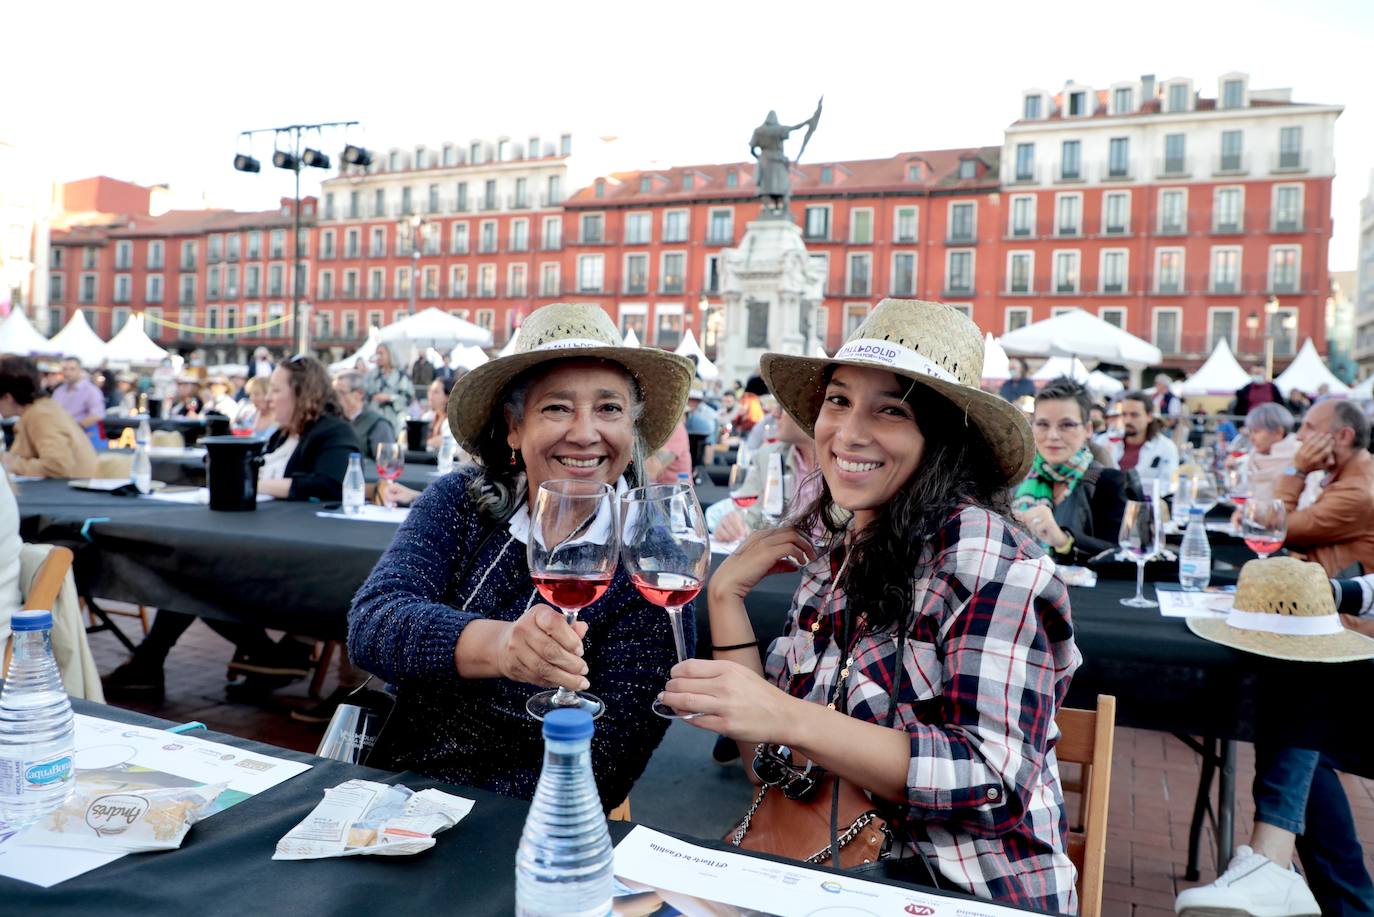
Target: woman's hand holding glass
[
  {"x": 1040, "y": 521},
  {"x": 542, "y": 648},
  {"x": 730, "y": 699}
]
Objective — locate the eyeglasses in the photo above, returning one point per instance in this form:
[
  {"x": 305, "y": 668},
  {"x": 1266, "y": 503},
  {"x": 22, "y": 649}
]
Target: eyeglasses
[
  {"x": 298, "y": 358},
  {"x": 773, "y": 766},
  {"x": 1065, "y": 427}
]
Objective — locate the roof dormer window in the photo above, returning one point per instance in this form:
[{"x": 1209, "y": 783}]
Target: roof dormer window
[
  {"x": 1178, "y": 96},
  {"x": 1123, "y": 100},
  {"x": 968, "y": 168},
  {"x": 601, "y": 187},
  {"x": 646, "y": 184},
  {"x": 688, "y": 180},
  {"x": 913, "y": 171},
  {"x": 1232, "y": 94},
  {"x": 827, "y": 175},
  {"x": 1033, "y": 106}
]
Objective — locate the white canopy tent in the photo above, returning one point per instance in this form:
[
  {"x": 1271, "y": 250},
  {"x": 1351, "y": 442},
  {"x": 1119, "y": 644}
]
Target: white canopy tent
[
  {"x": 363, "y": 353},
  {"x": 467, "y": 356},
  {"x": 1364, "y": 391},
  {"x": 820, "y": 352},
  {"x": 688, "y": 347},
  {"x": 1080, "y": 334},
  {"x": 131, "y": 346},
  {"x": 76, "y": 339},
  {"x": 996, "y": 364},
  {"x": 1307, "y": 373},
  {"x": 511, "y": 344},
  {"x": 1220, "y": 375},
  {"x": 434, "y": 328},
  {"x": 631, "y": 339},
  {"x": 18, "y": 336},
  {"x": 1055, "y": 367}
]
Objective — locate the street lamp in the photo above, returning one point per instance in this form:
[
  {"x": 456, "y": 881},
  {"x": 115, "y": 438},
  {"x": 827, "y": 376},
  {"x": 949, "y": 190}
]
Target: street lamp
[
  {"x": 415, "y": 221},
  {"x": 293, "y": 159},
  {"x": 1271, "y": 308}
]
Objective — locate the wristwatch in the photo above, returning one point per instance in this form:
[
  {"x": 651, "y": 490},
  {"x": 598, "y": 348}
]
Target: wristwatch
[{"x": 1292, "y": 471}]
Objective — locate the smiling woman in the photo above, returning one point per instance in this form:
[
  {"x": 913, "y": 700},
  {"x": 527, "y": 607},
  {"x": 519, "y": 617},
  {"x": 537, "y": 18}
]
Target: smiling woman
[
  {"x": 929, "y": 645},
  {"x": 450, "y": 613}
]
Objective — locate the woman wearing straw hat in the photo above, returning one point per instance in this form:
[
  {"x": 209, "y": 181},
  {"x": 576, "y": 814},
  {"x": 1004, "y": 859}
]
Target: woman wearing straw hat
[
  {"x": 450, "y": 613},
  {"x": 930, "y": 597},
  {"x": 1284, "y": 609}
]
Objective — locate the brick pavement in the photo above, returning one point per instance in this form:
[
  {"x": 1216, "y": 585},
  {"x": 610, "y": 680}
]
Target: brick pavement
[{"x": 1154, "y": 776}]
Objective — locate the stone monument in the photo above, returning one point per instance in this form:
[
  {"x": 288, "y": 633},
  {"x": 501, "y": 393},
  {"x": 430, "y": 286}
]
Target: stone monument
[{"x": 771, "y": 287}]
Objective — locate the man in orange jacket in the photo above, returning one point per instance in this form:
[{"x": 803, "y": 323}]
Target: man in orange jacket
[{"x": 1336, "y": 530}]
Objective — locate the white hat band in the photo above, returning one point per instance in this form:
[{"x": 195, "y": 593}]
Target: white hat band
[
  {"x": 1290, "y": 625},
  {"x": 895, "y": 356},
  {"x": 572, "y": 344}
]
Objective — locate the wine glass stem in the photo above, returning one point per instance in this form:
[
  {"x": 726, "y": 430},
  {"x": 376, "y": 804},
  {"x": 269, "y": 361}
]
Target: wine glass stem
[
  {"x": 675, "y": 618},
  {"x": 563, "y": 697},
  {"x": 1140, "y": 579}
]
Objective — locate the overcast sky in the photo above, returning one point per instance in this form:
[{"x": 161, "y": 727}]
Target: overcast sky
[{"x": 157, "y": 92}]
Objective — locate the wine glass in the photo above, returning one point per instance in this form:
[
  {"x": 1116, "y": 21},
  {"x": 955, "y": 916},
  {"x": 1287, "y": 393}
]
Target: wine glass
[
  {"x": 739, "y": 473},
  {"x": 391, "y": 461},
  {"x": 1205, "y": 492},
  {"x": 667, "y": 553},
  {"x": 244, "y": 421},
  {"x": 1183, "y": 500},
  {"x": 1139, "y": 534},
  {"x": 1264, "y": 526},
  {"x": 572, "y": 551}
]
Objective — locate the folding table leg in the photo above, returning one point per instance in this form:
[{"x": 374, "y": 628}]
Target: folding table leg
[
  {"x": 1226, "y": 804},
  {"x": 106, "y": 624},
  {"x": 1202, "y": 804}
]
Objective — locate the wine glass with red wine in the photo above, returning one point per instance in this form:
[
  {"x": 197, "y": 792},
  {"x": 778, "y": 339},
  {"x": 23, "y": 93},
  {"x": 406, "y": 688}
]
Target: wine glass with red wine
[
  {"x": 1264, "y": 526},
  {"x": 391, "y": 461},
  {"x": 667, "y": 554},
  {"x": 573, "y": 549}
]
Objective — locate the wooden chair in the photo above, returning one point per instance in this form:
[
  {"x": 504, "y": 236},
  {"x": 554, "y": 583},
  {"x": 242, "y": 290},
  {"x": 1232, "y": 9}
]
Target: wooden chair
[
  {"x": 1085, "y": 739},
  {"x": 43, "y": 592},
  {"x": 621, "y": 812}
]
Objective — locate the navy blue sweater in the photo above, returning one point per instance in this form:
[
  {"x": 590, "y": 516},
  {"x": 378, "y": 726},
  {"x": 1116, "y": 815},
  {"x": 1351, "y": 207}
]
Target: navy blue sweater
[{"x": 405, "y": 623}]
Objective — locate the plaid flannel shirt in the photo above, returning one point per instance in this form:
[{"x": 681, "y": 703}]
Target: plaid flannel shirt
[{"x": 987, "y": 661}]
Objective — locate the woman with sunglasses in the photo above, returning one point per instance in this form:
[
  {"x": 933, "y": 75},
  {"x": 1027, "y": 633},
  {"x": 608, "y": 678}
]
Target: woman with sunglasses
[
  {"x": 929, "y": 645},
  {"x": 1070, "y": 502}
]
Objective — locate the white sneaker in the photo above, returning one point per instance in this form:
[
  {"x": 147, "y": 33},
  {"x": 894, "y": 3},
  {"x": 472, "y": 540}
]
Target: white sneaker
[{"x": 1252, "y": 885}]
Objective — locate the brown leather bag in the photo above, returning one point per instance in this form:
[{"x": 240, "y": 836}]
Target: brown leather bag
[{"x": 800, "y": 829}]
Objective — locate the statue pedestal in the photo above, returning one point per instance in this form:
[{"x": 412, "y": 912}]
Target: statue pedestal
[{"x": 771, "y": 291}]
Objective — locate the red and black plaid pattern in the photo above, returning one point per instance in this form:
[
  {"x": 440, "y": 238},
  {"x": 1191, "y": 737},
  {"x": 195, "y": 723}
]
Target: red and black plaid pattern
[{"x": 987, "y": 661}]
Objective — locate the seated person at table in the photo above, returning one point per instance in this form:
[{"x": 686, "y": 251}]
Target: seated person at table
[
  {"x": 256, "y": 410},
  {"x": 930, "y": 593},
  {"x": 1269, "y": 428},
  {"x": 1144, "y": 449},
  {"x": 369, "y": 425},
  {"x": 47, "y": 441},
  {"x": 81, "y": 397},
  {"x": 1336, "y": 530},
  {"x": 305, "y": 460},
  {"x": 1070, "y": 502},
  {"x": 800, "y": 484},
  {"x": 220, "y": 401},
  {"x": 1300, "y": 803},
  {"x": 450, "y": 614},
  {"x": 188, "y": 403},
  {"x": 437, "y": 415}
]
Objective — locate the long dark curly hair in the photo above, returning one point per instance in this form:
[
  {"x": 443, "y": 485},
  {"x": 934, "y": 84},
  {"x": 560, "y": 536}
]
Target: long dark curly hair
[{"x": 956, "y": 470}]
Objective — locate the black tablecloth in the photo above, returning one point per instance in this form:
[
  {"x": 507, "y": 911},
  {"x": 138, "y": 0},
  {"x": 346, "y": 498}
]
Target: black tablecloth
[{"x": 225, "y": 864}]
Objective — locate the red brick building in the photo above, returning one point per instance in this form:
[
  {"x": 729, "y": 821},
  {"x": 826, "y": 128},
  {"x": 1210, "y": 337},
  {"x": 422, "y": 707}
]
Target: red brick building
[{"x": 1173, "y": 215}]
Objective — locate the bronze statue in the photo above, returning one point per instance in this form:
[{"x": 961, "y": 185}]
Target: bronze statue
[{"x": 773, "y": 177}]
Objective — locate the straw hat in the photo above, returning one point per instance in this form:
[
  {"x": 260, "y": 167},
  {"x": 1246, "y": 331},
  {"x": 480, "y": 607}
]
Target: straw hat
[
  {"x": 1284, "y": 610},
  {"x": 930, "y": 343},
  {"x": 562, "y": 331}
]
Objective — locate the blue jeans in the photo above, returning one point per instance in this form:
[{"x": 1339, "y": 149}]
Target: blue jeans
[{"x": 1295, "y": 787}]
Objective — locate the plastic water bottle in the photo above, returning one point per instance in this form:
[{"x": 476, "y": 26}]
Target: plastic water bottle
[
  {"x": 354, "y": 486},
  {"x": 565, "y": 864},
  {"x": 1195, "y": 557},
  {"x": 144, "y": 434},
  {"x": 448, "y": 449},
  {"x": 37, "y": 729},
  {"x": 141, "y": 471}
]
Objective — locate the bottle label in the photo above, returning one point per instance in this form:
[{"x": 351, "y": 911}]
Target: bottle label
[
  {"x": 45, "y": 772},
  {"x": 18, "y": 775}
]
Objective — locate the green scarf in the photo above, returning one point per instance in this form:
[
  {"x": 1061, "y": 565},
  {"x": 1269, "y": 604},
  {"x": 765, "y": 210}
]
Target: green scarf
[{"x": 1038, "y": 488}]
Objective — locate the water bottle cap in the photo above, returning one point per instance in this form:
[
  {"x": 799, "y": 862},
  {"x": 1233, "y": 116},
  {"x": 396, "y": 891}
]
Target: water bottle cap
[
  {"x": 570, "y": 725},
  {"x": 31, "y": 620},
  {"x": 1195, "y": 511}
]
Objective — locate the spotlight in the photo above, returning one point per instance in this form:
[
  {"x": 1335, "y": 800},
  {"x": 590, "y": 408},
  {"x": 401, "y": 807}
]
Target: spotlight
[
  {"x": 357, "y": 156},
  {"x": 284, "y": 160},
  {"x": 315, "y": 159},
  {"x": 245, "y": 163}
]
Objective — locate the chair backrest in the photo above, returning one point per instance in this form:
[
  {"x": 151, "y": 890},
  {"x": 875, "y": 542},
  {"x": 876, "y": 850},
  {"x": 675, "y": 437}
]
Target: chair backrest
[
  {"x": 1085, "y": 739},
  {"x": 43, "y": 589}
]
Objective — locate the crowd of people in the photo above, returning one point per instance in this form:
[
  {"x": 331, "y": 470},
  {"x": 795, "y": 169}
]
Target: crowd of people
[{"x": 929, "y": 644}]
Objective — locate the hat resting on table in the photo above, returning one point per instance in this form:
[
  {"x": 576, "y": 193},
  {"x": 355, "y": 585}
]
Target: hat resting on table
[
  {"x": 932, "y": 344},
  {"x": 568, "y": 331},
  {"x": 1284, "y": 610}
]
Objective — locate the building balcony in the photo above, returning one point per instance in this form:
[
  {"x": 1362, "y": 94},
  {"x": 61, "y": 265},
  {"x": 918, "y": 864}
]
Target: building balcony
[
  {"x": 1172, "y": 229},
  {"x": 1291, "y": 161},
  {"x": 1023, "y": 289},
  {"x": 958, "y": 290},
  {"x": 1121, "y": 171},
  {"x": 1228, "y": 228},
  {"x": 1230, "y": 164},
  {"x": 1024, "y": 176},
  {"x": 1171, "y": 167},
  {"x": 961, "y": 238},
  {"x": 858, "y": 288},
  {"x": 1070, "y": 175},
  {"x": 1290, "y": 223},
  {"x": 187, "y": 265}
]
